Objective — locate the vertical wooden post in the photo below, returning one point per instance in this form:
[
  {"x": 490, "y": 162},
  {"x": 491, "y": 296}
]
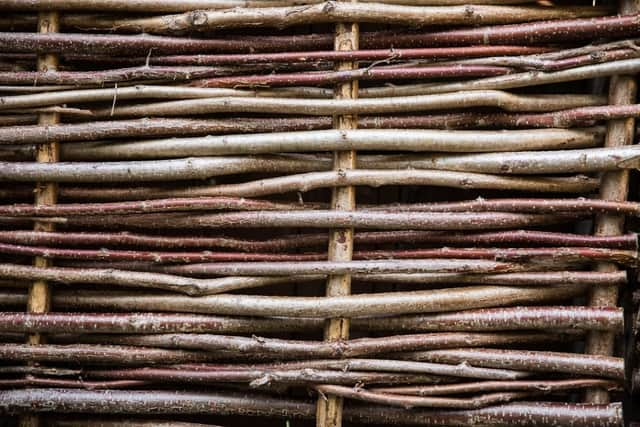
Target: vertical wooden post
[
  {"x": 613, "y": 186},
  {"x": 329, "y": 408},
  {"x": 39, "y": 300}
]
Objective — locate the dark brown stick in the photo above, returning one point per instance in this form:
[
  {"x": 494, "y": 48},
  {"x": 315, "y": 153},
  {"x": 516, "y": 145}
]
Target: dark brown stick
[
  {"x": 350, "y": 55},
  {"x": 156, "y": 127},
  {"x": 365, "y": 74},
  {"x": 63, "y": 383},
  {"x": 625, "y": 258},
  {"x": 523, "y": 238},
  {"x": 157, "y": 401},
  {"x": 533, "y": 33},
  {"x": 80, "y": 353},
  {"x": 163, "y": 73}
]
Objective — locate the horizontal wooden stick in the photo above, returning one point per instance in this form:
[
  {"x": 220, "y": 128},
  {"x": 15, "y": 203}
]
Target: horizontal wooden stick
[
  {"x": 529, "y": 278},
  {"x": 524, "y": 238},
  {"x": 154, "y": 6},
  {"x": 544, "y": 32},
  {"x": 206, "y": 256},
  {"x": 378, "y": 178},
  {"x": 186, "y": 285},
  {"x": 269, "y": 376},
  {"x": 359, "y": 305},
  {"x": 523, "y": 162},
  {"x": 329, "y": 219},
  {"x": 516, "y": 205},
  {"x": 162, "y": 205},
  {"x": 77, "y": 78},
  {"x": 96, "y": 323},
  {"x": 350, "y": 306},
  {"x": 358, "y": 139},
  {"x": 527, "y": 205},
  {"x": 363, "y": 74},
  {"x": 85, "y": 353},
  {"x": 123, "y": 93},
  {"x": 350, "y": 55},
  {"x": 158, "y": 127},
  {"x": 150, "y": 127},
  {"x": 545, "y": 386},
  {"x": 297, "y": 349},
  {"x": 365, "y": 267},
  {"x": 625, "y": 258},
  {"x": 535, "y": 62},
  {"x": 410, "y": 402},
  {"x": 119, "y": 421},
  {"x": 511, "y": 81},
  {"x": 159, "y": 401},
  {"x": 535, "y": 33},
  {"x": 539, "y": 361},
  {"x": 166, "y": 170},
  {"x": 431, "y": 372},
  {"x": 508, "y": 318},
  {"x": 332, "y": 12},
  {"x": 235, "y": 102},
  {"x": 194, "y": 286},
  {"x": 34, "y": 382}
]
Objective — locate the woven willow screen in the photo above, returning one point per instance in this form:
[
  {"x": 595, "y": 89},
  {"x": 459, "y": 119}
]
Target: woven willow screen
[{"x": 288, "y": 212}]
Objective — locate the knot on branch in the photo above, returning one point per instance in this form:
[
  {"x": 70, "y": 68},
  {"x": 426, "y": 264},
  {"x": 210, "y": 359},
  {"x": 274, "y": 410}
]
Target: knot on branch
[
  {"x": 340, "y": 348},
  {"x": 329, "y": 7},
  {"x": 197, "y": 18}
]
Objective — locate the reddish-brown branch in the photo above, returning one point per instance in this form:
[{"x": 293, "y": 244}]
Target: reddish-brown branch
[
  {"x": 157, "y": 127},
  {"x": 164, "y": 402},
  {"x": 527, "y": 33},
  {"x": 350, "y": 55},
  {"x": 81, "y": 353},
  {"x": 34, "y": 382},
  {"x": 524, "y": 238},
  {"x": 625, "y": 258},
  {"x": 236, "y": 203},
  {"x": 365, "y": 74}
]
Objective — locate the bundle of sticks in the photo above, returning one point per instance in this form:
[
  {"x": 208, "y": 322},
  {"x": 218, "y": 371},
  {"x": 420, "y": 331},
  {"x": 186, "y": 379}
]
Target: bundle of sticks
[{"x": 403, "y": 212}]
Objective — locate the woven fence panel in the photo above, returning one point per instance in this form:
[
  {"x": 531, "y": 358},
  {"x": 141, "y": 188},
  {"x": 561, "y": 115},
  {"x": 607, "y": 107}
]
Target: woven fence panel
[{"x": 289, "y": 212}]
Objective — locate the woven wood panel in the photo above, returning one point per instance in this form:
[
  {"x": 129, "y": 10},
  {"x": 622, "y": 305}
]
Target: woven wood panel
[{"x": 288, "y": 212}]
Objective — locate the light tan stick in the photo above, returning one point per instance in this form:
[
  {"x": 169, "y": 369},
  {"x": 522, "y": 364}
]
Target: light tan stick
[
  {"x": 329, "y": 407},
  {"x": 39, "y": 299}
]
